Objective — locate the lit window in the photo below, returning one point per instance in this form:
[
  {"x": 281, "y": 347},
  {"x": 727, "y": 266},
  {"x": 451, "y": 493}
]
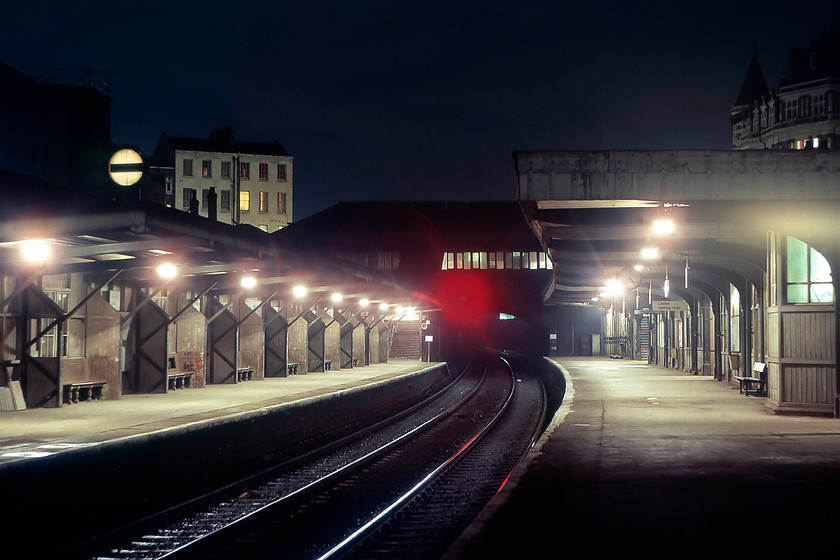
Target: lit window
[
  {"x": 206, "y": 168},
  {"x": 188, "y": 167},
  {"x": 281, "y": 203},
  {"x": 808, "y": 274},
  {"x": 244, "y": 170},
  {"x": 263, "y": 172},
  {"x": 263, "y": 201},
  {"x": 281, "y": 172},
  {"x": 245, "y": 201},
  {"x": 734, "y": 319}
]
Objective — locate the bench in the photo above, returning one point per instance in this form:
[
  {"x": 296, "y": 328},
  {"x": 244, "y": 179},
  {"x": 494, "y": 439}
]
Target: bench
[
  {"x": 327, "y": 365},
  {"x": 82, "y": 391},
  {"x": 244, "y": 373},
  {"x": 756, "y": 385},
  {"x": 355, "y": 362},
  {"x": 179, "y": 380},
  {"x": 292, "y": 368}
]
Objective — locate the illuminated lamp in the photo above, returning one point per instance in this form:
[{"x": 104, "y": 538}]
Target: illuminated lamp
[
  {"x": 614, "y": 288},
  {"x": 649, "y": 253},
  {"x": 336, "y": 297},
  {"x": 248, "y": 282},
  {"x": 299, "y": 291},
  {"x": 35, "y": 252},
  {"x": 167, "y": 271},
  {"x": 664, "y": 226},
  {"x": 383, "y": 307},
  {"x": 364, "y": 302}
]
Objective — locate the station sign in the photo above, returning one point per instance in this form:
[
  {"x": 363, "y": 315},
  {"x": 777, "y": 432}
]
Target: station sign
[
  {"x": 126, "y": 166},
  {"x": 669, "y": 305}
]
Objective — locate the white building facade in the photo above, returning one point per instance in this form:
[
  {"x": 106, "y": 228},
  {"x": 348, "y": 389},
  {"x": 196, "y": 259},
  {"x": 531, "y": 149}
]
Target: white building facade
[{"x": 235, "y": 182}]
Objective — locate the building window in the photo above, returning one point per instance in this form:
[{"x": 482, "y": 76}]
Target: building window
[
  {"x": 263, "y": 172},
  {"x": 48, "y": 343},
  {"x": 281, "y": 172},
  {"x": 263, "y": 201},
  {"x": 206, "y": 168},
  {"x": 281, "y": 203},
  {"x": 734, "y": 319},
  {"x": 244, "y": 170},
  {"x": 189, "y": 194},
  {"x": 804, "y": 108},
  {"x": 224, "y": 204},
  {"x": 188, "y": 168},
  {"x": 244, "y": 201},
  {"x": 808, "y": 274},
  {"x": 225, "y": 170}
]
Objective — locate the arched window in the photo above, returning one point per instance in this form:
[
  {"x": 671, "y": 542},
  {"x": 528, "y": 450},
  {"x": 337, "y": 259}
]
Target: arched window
[{"x": 808, "y": 274}]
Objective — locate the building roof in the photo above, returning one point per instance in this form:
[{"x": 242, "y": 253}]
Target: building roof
[
  {"x": 221, "y": 140},
  {"x": 754, "y": 86},
  {"x": 384, "y": 226}
]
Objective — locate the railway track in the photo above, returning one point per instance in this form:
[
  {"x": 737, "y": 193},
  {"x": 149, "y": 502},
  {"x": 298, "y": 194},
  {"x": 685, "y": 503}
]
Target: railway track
[{"x": 379, "y": 493}]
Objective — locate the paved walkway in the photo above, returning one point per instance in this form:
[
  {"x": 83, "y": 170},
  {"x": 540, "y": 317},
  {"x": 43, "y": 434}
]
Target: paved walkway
[
  {"x": 32, "y": 433},
  {"x": 653, "y": 463}
]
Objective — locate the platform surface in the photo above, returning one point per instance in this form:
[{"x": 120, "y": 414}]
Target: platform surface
[
  {"x": 33, "y": 433},
  {"x": 648, "y": 462}
]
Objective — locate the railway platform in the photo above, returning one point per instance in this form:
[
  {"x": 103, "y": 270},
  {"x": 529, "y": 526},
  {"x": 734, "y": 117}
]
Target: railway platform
[
  {"x": 642, "y": 461},
  {"x": 40, "y": 432}
]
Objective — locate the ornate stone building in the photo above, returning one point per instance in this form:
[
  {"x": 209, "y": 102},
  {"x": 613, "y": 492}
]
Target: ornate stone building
[{"x": 803, "y": 112}]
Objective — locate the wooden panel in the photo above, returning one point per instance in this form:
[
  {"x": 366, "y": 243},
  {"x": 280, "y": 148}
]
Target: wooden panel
[
  {"x": 808, "y": 384},
  {"x": 808, "y": 335},
  {"x": 772, "y": 334}
]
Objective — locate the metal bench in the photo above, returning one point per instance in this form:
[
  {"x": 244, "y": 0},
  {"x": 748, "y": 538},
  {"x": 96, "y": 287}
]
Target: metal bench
[
  {"x": 244, "y": 373},
  {"x": 757, "y": 384},
  {"x": 82, "y": 391},
  {"x": 179, "y": 380},
  {"x": 292, "y": 368}
]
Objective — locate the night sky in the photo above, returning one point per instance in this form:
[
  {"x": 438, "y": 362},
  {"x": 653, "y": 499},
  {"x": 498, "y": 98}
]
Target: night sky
[{"x": 420, "y": 101}]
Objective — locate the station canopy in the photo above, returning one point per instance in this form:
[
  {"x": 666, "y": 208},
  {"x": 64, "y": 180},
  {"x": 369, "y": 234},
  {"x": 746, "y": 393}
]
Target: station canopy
[{"x": 595, "y": 213}]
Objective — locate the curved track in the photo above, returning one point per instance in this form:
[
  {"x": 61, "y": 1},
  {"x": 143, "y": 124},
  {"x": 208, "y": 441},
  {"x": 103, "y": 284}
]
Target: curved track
[{"x": 351, "y": 500}]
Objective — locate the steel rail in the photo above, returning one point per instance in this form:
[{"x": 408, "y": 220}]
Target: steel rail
[
  {"x": 380, "y": 518},
  {"x": 184, "y": 549}
]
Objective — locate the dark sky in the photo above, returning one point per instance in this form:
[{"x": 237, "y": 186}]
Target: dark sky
[{"x": 427, "y": 100}]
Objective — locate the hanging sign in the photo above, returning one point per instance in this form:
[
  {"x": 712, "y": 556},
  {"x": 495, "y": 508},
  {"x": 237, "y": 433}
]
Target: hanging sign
[{"x": 669, "y": 305}]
